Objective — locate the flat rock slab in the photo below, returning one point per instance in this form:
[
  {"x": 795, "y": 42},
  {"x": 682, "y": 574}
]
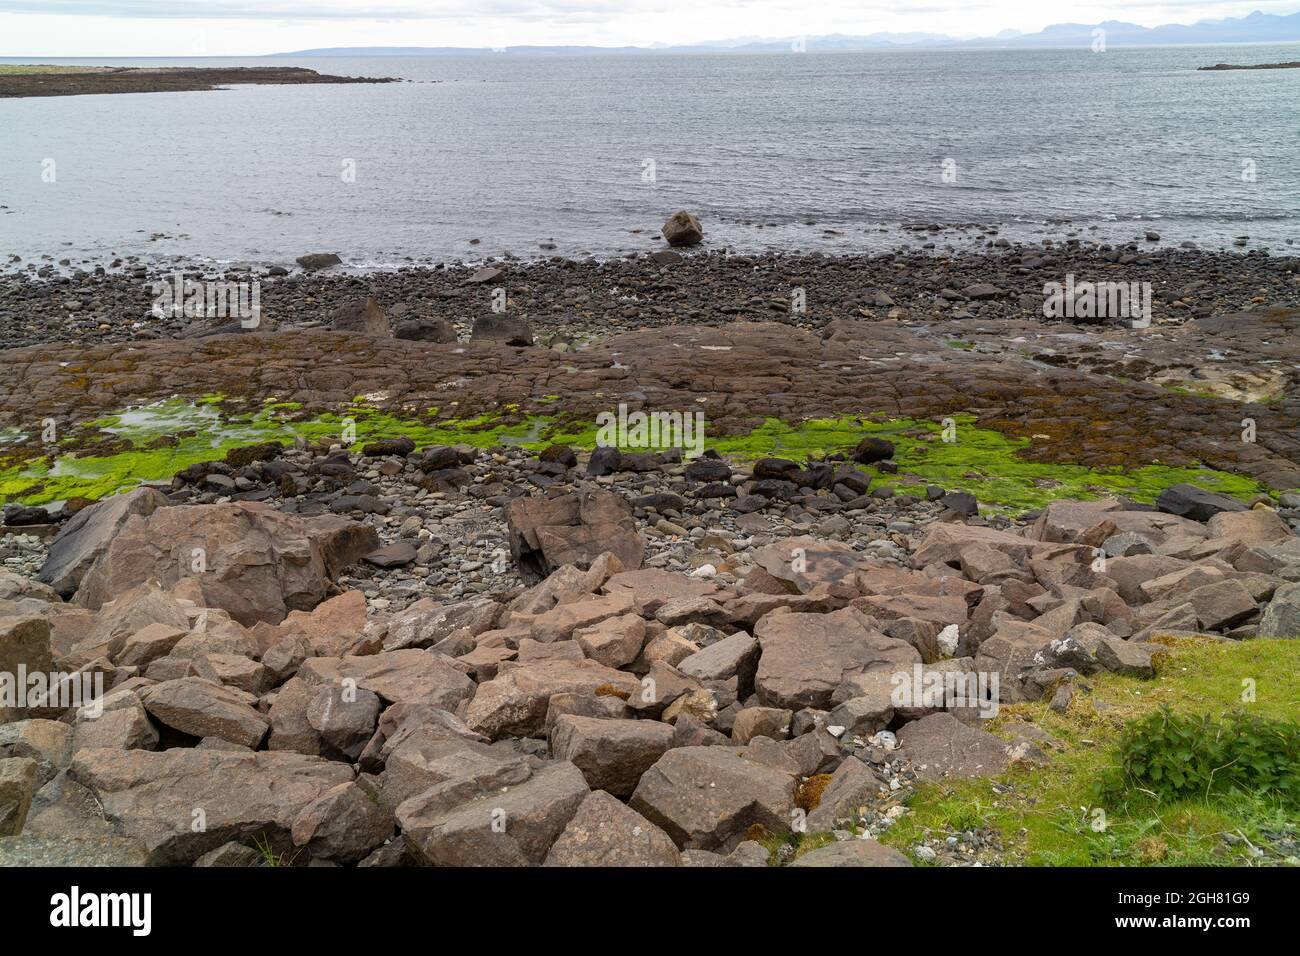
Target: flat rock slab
[
  {"x": 941, "y": 747},
  {"x": 853, "y": 853},
  {"x": 409, "y": 675},
  {"x": 179, "y": 804},
  {"x": 514, "y": 702}
]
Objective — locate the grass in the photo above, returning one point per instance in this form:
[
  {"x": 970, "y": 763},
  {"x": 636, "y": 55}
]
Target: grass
[{"x": 1054, "y": 815}]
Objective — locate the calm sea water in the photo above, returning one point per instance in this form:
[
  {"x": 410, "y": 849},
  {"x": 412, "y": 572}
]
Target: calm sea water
[{"x": 795, "y": 151}]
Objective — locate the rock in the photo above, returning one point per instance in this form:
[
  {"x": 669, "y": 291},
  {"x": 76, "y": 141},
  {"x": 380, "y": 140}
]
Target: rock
[
  {"x": 770, "y": 722},
  {"x": 548, "y": 533},
  {"x": 256, "y": 563},
  {"x": 315, "y": 261},
  {"x": 428, "y": 622},
  {"x": 871, "y": 450},
  {"x": 857, "y": 852},
  {"x": 804, "y": 563},
  {"x": 425, "y": 330},
  {"x": 361, "y": 315},
  {"x": 399, "y": 447},
  {"x": 48, "y": 742},
  {"x": 1127, "y": 657},
  {"x": 606, "y": 833},
  {"x": 614, "y": 642},
  {"x": 683, "y": 229},
  {"x": 230, "y": 855},
  {"x": 940, "y": 747},
  {"x": 652, "y": 588},
  {"x": 707, "y": 797},
  {"x": 1252, "y": 527},
  {"x": 512, "y": 827},
  {"x": 1281, "y": 617},
  {"x": 485, "y": 274},
  {"x": 612, "y": 754},
  {"x": 87, "y": 535},
  {"x": 405, "y": 676},
  {"x": 146, "y": 645},
  {"x": 395, "y": 555},
  {"x": 1222, "y": 604},
  {"x": 169, "y": 803},
  {"x": 201, "y": 708},
  {"x": 506, "y": 329},
  {"x": 24, "y": 648},
  {"x": 805, "y": 657},
  {"x": 1190, "y": 501},
  {"x": 565, "y": 620},
  {"x": 342, "y": 825},
  {"x": 17, "y": 788},
  {"x": 514, "y": 702},
  {"x": 124, "y": 725},
  {"x": 851, "y": 787},
  {"x": 345, "y": 718},
  {"x": 733, "y": 656}
]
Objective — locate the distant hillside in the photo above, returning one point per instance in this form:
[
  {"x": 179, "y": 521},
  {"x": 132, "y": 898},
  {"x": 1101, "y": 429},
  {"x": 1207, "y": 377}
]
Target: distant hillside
[{"x": 1255, "y": 28}]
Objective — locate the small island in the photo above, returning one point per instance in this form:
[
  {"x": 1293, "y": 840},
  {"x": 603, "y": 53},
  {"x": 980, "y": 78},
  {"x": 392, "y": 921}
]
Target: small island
[
  {"x": 50, "y": 80},
  {"x": 1293, "y": 65}
]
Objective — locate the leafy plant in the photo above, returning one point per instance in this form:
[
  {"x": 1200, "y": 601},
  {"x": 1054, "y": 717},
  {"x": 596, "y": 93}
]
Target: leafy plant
[{"x": 1172, "y": 756}]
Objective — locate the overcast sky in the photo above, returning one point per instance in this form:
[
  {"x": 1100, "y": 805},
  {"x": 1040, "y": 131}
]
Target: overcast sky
[{"x": 249, "y": 27}]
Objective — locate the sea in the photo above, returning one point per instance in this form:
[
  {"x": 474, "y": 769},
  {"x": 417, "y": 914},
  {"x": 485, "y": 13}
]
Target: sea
[{"x": 476, "y": 157}]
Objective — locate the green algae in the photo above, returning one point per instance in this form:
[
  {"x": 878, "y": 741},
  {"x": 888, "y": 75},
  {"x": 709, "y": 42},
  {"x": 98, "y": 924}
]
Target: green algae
[{"x": 152, "y": 443}]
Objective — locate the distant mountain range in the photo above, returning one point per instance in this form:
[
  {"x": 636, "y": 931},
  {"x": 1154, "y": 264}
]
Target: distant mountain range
[{"x": 1255, "y": 28}]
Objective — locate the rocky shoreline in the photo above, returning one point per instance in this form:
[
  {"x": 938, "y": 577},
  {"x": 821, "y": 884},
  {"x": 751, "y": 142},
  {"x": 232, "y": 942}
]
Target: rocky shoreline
[
  {"x": 386, "y": 598},
  {"x": 637, "y": 669},
  {"x": 81, "y": 81}
]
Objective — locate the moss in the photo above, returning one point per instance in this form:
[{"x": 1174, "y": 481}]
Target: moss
[
  {"x": 153, "y": 442},
  {"x": 1047, "y": 815},
  {"x": 808, "y": 796}
]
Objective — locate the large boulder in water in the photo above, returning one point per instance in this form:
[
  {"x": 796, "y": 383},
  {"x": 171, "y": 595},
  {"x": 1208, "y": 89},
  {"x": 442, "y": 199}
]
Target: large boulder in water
[{"x": 683, "y": 229}]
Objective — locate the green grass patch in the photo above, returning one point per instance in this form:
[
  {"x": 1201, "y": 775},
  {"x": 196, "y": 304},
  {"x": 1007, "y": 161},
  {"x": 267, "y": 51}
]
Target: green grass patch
[{"x": 1084, "y": 809}]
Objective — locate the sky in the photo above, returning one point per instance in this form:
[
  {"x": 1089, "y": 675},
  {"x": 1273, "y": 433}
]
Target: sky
[{"x": 107, "y": 28}]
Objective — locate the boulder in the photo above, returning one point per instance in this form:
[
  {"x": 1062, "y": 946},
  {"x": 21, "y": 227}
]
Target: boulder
[
  {"x": 514, "y": 826},
  {"x": 805, "y": 657},
  {"x": 614, "y": 642},
  {"x": 514, "y": 702},
  {"x": 246, "y": 558},
  {"x": 548, "y": 533},
  {"x": 1281, "y": 617},
  {"x": 604, "y": 832},
  {"x": 852, "y": 786},
  {"x": 707, "y": 797},
  {"x": 17, "y": 788},
  {"x": 183, "y": 803},
  {"x": 682, "y": 229},
  {"x": 342, "y": 825},
  {"x": 406, "y": 676},
  {"x": 25, "y": 644},
  {"x": 1190, "y": 501},
  {"x": 314, "y": 261},
  {"x": 87, "y": 535},
  {"x": 361, "y": 315},
  {"x": 504, "y": 329},
  {"x": 805, "y": 562},
  {"x": 429, "y": 621},
  {"x": 612, "y": 754},
  {"x": 201, "y": 708},
  {"x": 425, "y": 330}
]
